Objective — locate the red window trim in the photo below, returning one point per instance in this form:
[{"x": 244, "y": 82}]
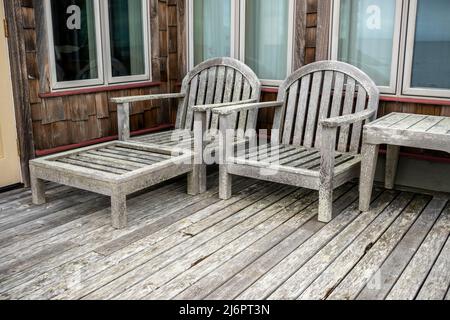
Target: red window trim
[{"x": 74, "y": 92}]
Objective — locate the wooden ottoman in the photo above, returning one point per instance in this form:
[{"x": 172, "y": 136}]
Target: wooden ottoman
[{"x": 114, "y": 169}]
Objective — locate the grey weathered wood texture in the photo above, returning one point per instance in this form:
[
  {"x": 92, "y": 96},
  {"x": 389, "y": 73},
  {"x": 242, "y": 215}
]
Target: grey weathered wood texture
[
  {"x": 320, "y": 112},
  {"x": 115, "y": 169},
  {"x": 262, "y": 243},
  {"x": 398, "y": 130}
]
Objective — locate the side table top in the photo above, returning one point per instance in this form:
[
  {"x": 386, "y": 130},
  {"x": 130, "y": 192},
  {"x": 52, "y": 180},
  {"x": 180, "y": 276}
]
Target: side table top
[{"x": 414, "y": 123}]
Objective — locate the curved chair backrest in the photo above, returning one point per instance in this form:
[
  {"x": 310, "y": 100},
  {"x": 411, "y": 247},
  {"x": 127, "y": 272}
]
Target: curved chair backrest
[
  {"x": 218, "y": 80},
  {"x": 320, "y": 91}
]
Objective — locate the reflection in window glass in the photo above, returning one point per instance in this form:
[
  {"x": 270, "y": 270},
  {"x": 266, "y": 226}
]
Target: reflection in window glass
[
  {"x": 266, "y": 37},
  {"x": 74, "y": 39},
  {"x": 126, "y": 29},
  {"x": 212, "y": 29},
  {"x": 366, "y": 34},
  {"x": 431, "y": 67}
]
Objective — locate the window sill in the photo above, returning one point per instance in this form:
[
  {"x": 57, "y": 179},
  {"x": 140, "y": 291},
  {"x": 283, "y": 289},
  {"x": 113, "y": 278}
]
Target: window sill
[{"x": 98, "y": 89}]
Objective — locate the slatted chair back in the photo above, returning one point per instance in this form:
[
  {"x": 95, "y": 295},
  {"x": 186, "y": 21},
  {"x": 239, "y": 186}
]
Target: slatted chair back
[
  {"x": 214, "y": 81},
  {"x": 320, "y": 91}
]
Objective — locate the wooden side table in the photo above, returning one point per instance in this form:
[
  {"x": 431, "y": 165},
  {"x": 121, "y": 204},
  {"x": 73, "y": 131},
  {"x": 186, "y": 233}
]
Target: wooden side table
[{"x": 397, "y": 130}]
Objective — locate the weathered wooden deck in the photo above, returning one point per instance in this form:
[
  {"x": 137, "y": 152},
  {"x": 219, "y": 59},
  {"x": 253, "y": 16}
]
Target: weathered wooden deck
[{"x": 265, "y": 242}]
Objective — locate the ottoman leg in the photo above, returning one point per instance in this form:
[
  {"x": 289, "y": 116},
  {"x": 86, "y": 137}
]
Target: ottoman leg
[
  {"x": 37, "y": 190},
  {"x": 119, "y": 211}
]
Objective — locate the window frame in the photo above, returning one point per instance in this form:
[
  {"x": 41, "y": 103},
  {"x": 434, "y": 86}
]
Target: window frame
[
  {"x": 396, "y": 47},
  {"x": 103, "y": 47},
  {"x": 409, "y": 57},
  {"x": 107, "y": 46},
  {"x": 237, "y": 45}
]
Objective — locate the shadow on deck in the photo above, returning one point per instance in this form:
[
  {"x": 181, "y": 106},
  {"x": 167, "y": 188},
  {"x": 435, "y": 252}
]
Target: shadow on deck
[{"x": 264, "y": 243}]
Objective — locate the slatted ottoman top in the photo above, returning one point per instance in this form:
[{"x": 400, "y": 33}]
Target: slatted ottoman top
[
  {"x": 115, "y": 161},
  {"x": 115, "y": 169}
]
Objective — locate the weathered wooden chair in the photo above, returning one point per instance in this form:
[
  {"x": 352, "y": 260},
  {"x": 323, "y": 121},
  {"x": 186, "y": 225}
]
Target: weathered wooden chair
[
  {"x": 215, "y": 83},
  {"x": 317, "y": 132}
]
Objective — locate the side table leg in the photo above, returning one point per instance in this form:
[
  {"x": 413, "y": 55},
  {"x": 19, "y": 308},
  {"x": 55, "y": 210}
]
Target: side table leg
[
  {"x": 368, "y": 167},
  {"x": 392, "y": 157}
]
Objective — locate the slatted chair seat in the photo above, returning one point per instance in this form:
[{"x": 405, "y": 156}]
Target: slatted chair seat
[
  {"x": 214, "y": 83},
  {"x": 317, "y": 133},
  {"x": 294, "y": 159}
]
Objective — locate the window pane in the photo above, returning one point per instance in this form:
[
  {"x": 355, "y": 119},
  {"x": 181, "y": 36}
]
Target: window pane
[
  {"x": 74, "y": 39},
  {"x": 366, "y": 34},
  {"x": 431, "y": 62},
  {"x": 212, "y": 29},
  {"x": 266, "y": 37},
  {"x": 126, "y": 29}
]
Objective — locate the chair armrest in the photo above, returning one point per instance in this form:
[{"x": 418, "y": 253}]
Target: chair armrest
[
  {"x": 208, "y": 107},
  {"x": 121, "y": 100},
  {"x": 246, "y": 107},
  {"x": 347, "y": 119}
]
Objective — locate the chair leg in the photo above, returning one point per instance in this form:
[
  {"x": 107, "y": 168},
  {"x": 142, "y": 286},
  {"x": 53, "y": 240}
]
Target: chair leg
[
  {"x": 119, "y": 211},
  {"x": 193, "y": 187},
  {"x": 225, "y": 183},
  {"x": 393, "y": 153},
  {"x": 325, "y": 204},
  {"x": 37, "y": 190},
  {"x": 196, "y": 180}
]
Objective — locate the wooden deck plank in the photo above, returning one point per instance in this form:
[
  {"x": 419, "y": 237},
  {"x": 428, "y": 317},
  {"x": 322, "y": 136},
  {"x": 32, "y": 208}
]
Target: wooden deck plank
[
  {"x": 279, "y": 240},
  {"x": 140, "y": 281},
  {"x": 71, "y": 229},
  {"x": 244, "y": 279},
  {"x": 287, "y": 211},
  {"x": 272, "y": 280},
  {"x": 415, "y": 274},
  {"x": 310, "y": 271},
  {"x": 99, "y": 229},
  {"x": 252, "y": 246},
  {"x": 438, "y": 281},
  {"x": 371, "y": 262},
  {"x": 384, "y": 279},
  {"x": 396, "y": 222},
  {"x": 51, "y": 283},
  {"x": 221, "y": 217}
]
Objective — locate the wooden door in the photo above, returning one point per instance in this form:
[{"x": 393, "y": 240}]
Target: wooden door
[{"x": 9, "y": 157}]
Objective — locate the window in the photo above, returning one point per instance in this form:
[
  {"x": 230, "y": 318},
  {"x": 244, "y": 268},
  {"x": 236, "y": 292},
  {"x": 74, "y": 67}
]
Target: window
[
  {"x": 257, "y": 32},
  {"x": 212, "y": 29},
  {"x": 427, "y": 67},
  {"x": 94, "y": 42},
  {"x": 404, "y": 45},
  {"x": 265, "y": 38},
  {"x": 366, "y": 35}
]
